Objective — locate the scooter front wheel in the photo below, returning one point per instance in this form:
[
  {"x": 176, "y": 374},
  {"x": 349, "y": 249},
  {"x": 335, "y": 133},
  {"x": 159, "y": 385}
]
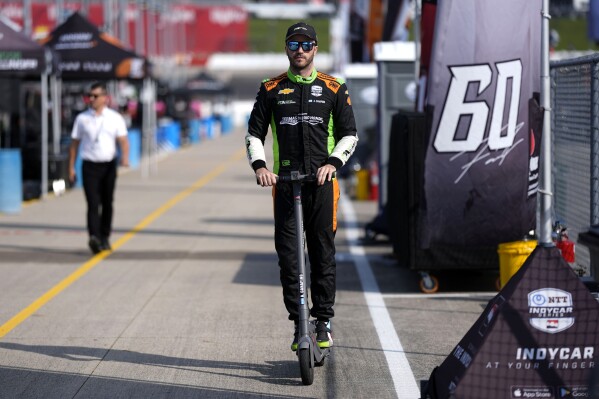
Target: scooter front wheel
[{"x": 306, "y": 369}]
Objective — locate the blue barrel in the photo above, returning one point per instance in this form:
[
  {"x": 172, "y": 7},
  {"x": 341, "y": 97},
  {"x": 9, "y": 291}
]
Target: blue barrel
[
  {"x": 173, "y": 134},
  {"x": 194, "y": 131},
  {"x": 226, "y": 124},
  {"x": 161, "y": 134},
  {"x": 208, "y": 127},
  {"x": 11, "y": 181},
  {"x": 78, "y": 172},
  {"x": 134, "y": 148}
]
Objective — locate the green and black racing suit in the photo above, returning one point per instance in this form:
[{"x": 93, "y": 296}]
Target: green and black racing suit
[{"x": 312, "y": 124}]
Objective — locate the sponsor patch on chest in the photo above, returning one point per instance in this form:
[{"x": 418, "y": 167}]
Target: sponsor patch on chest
[{"x": 316, "y": 91}]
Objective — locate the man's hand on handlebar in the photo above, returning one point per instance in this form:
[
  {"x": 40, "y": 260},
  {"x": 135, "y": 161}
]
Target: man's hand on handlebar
[
  {"x": 265, "y": 177},
  {"x": 325, "y": 173}
]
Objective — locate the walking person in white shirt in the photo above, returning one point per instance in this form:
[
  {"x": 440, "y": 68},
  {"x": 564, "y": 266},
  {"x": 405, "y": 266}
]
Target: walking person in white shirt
[{"x": 98, "y": 130}]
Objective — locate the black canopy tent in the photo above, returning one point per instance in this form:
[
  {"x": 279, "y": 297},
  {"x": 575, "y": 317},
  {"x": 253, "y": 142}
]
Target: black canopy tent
[
  {"x": 22, "y": 58},
  {"x": 86, "y": 54},
  {"x": 19, "y": 55},
  {"x": 205, "y": 85}
]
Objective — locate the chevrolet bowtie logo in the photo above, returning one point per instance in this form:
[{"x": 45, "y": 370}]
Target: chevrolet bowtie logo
[{"x": 286, "y": 91}]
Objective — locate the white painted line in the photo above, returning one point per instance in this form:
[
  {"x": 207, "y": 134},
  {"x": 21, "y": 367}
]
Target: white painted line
[
  {"x": 399, "y": 367},
  {"x": 458, "y": 295}
]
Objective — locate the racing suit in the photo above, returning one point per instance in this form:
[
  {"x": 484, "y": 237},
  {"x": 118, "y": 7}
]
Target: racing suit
[{"x": 312, "y": 124}]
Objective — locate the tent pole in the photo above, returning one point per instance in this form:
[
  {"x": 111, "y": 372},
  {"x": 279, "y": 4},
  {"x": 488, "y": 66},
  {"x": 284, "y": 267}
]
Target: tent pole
[
  {"x": 55, "y": 115},
  {"x": 59, "y": 12},
  {"x": 146, "y": 129},
  {"x": 44, "y": 112},
  {"x": 417, "y": 16},
  {"x": 140, "y": 45},
  {"x": 546, "y": 163},
  {"x": 149, "y": 111},
  {"x": 59, "y": 106},
  {"x": 27, "y": 27},
  {"x": 153, "y": 116},
  {"x": 122, "y": 22}
]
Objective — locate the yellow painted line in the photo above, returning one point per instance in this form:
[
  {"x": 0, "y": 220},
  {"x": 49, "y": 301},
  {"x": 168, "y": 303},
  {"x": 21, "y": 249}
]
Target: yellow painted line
[{"x": 87, "y": 266}]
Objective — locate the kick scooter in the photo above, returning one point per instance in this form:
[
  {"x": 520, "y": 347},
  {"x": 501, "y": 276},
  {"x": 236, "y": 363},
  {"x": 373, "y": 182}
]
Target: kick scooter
[{"x": 309, "y": 354}]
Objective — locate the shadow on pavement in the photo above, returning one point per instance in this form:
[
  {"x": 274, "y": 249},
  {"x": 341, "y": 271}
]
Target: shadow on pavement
[
  {"x": 21, "y": 229},
  {"x": 271, "y": 372},
  {"x": 40, "y": 255}
]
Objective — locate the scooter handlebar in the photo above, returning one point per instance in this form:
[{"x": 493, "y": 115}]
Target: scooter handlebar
[{"x": 296, "y": 177}]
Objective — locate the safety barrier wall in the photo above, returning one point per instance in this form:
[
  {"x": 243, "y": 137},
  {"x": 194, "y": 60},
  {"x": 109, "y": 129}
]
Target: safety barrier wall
[{"x": 575, "y": 142}]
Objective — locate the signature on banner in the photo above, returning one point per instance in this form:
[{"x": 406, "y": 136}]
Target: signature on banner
[{"x": 484, "y": 154}]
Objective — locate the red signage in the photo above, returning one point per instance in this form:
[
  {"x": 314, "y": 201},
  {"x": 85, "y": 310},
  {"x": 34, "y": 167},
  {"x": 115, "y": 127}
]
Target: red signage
[{"x": 190, "y": 33}]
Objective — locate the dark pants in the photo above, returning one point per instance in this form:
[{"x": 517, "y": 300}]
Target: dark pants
[
  {"x": 99, "y": 179},
  {"x": 319, "y": 205}
]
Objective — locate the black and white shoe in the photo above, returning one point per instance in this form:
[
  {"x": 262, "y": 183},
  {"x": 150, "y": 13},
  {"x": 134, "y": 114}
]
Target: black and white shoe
[
  {"x": 324, "y": 338},
  {"x": 95, "y": 244}
]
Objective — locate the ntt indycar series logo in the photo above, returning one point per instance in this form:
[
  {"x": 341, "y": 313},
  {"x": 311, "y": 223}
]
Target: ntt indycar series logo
[{"x": 550, "y": 310}]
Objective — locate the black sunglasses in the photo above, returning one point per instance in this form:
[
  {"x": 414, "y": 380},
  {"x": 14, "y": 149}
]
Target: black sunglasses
[
  {"x": 94, "y": 95},
  {"x": 306, "y": 46}
]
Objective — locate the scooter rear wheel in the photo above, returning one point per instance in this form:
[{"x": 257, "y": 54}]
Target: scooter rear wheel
[{"x": 306, "y": 370}]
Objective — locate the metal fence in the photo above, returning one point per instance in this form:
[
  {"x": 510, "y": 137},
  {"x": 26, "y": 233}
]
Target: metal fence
[{"x": 575, "y": 124}]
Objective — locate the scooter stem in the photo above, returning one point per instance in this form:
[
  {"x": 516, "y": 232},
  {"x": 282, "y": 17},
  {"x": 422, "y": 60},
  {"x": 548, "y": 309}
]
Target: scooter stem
[{"x": 304, "y": 311}]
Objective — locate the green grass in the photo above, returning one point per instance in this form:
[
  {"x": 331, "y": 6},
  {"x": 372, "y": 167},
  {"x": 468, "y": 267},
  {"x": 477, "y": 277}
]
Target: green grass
[
  {"x": 572, "y": 34},
  {"x": 268, "y": 35}
]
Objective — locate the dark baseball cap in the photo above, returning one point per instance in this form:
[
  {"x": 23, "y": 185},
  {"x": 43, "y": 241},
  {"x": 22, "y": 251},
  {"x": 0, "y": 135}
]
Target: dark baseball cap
[{"x": 301, "y": 28}]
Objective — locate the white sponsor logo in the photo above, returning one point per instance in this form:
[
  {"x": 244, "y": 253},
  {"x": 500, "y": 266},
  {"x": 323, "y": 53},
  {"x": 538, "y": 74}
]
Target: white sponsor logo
[
  {"x": 70, "y": 66},
  {"x": 75, "y": 37},
  {"x": 303, "y": 118},
  {"x": 227, "y": 15},
  {"x": 21, "y": 65},
  {"x": 97, "y": 66},
  {"x": 13, "y": 11},
  {"x": 550, "y": 310},
  {"x": 559, "y": 353},
  {"x": 177, "y": 15},
  {"x": 316, "y": 91}
]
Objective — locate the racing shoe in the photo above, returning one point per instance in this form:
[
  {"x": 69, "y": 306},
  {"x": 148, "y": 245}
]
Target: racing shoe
[
  {"x": 323, "y": 334},
  {"x": 295, "y": 338}
]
